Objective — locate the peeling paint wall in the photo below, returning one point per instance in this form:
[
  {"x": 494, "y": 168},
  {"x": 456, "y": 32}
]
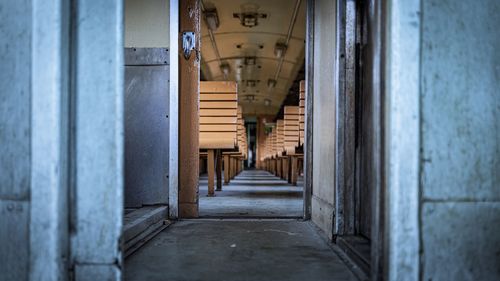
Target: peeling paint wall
[
  {"x": 324, "y": 115},
  {"x": 460, "y": 132},
  {"x": 15, "y": 131}
]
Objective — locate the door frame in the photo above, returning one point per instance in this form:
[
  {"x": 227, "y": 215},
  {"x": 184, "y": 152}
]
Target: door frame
[
  {"x": 173, "y": 165},
  {"x": 308, "y": 139},
  {"x": 174, "y": 78},
  {"x": 347, "y": 176}
]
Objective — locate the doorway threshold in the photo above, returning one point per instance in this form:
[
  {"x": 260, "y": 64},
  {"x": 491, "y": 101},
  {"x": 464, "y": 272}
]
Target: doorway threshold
[
  {"x": 357, "y": 248},
  {"x": 249, "y": 218},
  {"x": 141, "y": 225}
]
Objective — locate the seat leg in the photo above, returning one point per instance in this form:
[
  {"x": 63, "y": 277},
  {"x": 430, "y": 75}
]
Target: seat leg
[
  {"x": 226, "y": 169},
  {"x": 286, "y": 169},
  {"x": 231, "y": 167},
  {"x": 210, "y": 168},
  {"x": 218, "y": 169},
  {"x": 294, "y": 170},
  {"x": 278, "y": 172}
]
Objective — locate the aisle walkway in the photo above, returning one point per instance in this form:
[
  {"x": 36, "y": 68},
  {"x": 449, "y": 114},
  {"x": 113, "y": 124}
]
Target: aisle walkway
[
  {"x": 236, "y": 250},
  {"x": 252, "y": 193}
]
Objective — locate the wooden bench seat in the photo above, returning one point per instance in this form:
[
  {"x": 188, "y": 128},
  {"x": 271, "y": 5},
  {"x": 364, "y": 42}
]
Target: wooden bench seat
[
  {"x": 283, "y": 147},
  {"x": 302, "y": 111},
  {"x": 292, "y": 142},
  {"x": 218, "y": 125},
  {"x": 218, "y": 115},
  {"x": 234, "y": 159}
]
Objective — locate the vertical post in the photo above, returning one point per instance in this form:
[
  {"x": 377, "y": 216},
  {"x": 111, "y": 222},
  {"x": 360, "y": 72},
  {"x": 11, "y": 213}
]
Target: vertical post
[
  {"x": 189, "y": 70},
  {"x": 49, "y": 234},
  {"x": 402, "y": 143},
  {"x": 226, "y": 169},
  {"x": 218, "y": 169},
  {"x": 308, "y": 130},
  {"x": 210, "y": 168},
  {"x": 97, "y": 112}
]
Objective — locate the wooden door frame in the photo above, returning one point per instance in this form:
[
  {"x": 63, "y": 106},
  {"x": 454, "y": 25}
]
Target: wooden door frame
[{"x": 174, "y": 111}]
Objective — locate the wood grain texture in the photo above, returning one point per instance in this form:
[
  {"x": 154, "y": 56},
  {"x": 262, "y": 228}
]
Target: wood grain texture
[{"x": 189, "y": 70}]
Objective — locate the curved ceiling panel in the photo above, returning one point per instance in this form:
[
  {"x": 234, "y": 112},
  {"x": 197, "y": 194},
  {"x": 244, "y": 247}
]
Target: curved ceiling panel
[{"x": 249, "y": 52}]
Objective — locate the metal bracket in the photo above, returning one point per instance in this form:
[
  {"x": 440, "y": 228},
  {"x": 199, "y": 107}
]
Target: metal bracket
[{"x": 188, "y": 43}]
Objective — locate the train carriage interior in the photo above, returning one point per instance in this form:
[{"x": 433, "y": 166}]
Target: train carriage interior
[{"x": 249, "y": 140}]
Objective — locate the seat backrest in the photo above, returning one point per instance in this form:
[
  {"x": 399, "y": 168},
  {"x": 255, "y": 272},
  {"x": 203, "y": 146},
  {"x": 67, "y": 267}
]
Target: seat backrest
[
  {"x": 242, "y": 138},
  {"x": 280, "y": 136},
  {"x": 218, "y": 114},
  {"x": 302, "y": 111},
  {"x": 273, "y": 141},
  {"x": 291, "y": 128}
]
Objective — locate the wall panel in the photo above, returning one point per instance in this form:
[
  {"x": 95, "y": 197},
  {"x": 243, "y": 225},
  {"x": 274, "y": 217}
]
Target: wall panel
[
  {"x": 146, "y": 126},
  {"x": 15, "y": 133},
  {"x": 324, "y": 114},
  {"x": 460, "y": 146}
]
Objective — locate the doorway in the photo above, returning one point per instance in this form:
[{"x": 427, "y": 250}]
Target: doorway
[{"x": 260, "y": 48}]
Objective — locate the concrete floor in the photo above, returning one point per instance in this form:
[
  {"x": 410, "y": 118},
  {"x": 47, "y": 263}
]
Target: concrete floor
[
  {"x": 237, "y": 250},
  {"x": 252, "y": 193}
]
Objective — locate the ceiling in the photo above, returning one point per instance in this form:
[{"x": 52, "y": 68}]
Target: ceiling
[{"x": 234, "y": 42}]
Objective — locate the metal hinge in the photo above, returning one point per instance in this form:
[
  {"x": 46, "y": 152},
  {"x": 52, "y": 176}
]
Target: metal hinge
[{"x": 188, "y": 45}]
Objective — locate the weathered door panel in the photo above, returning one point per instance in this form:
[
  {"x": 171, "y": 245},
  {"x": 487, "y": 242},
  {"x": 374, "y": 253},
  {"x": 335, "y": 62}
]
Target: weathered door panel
[{"x": 146, "y": 126}]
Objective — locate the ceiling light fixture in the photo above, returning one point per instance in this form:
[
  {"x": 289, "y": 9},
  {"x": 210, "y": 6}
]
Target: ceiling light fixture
[
  {"x": 271, "y": 83},
  {"x": 280, "y": 50},
  {"x": 225, "y": 69},
  {"x": 250, "y": 60},
  {"x": 250, "y": 98},
  {"x": 212, "y": 19},
  {"x": 252, "y": 83},
  {"x": 249, "y": 19}
]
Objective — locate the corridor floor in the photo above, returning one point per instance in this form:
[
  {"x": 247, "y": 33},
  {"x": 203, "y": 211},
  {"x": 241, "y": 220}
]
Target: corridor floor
[
  {"x": 214, "y": 249},
  {"x": 252, "y": 193}
]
